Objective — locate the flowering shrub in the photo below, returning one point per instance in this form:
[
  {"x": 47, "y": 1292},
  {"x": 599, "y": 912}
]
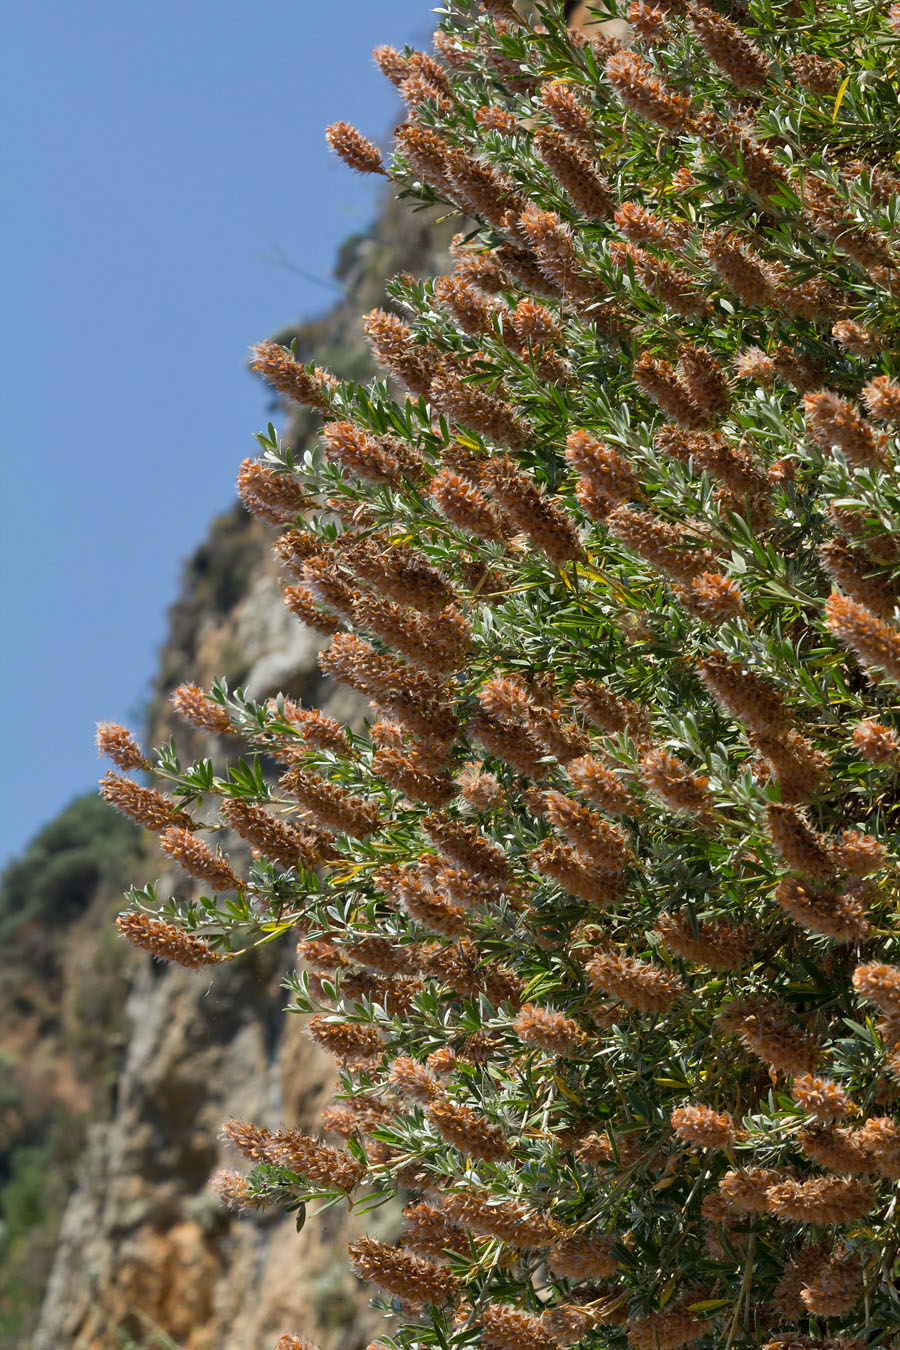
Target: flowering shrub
[{"x": 598, "y": 917}]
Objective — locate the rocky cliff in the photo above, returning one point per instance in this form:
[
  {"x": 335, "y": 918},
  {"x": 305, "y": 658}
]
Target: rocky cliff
[{"x": 144, "y": 1255}]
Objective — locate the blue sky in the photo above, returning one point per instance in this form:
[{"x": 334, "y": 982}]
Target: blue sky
[{"x": 152, "y": 156}]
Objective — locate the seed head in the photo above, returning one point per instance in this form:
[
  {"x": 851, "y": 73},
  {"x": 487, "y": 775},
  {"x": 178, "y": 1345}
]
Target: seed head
[
  {"x": 395, "y": 349},
  {"x": 202, "y": 712},
  {"x": 671, "y": 779},
  {"x": 717, "y": 945},
  {"x": 745, "y": 1191},
  {"x": 876, "y": 742},
  {"x": 660, "y": 383},
  {"x": 879, "y": 984},
  {"x": 640, "y": 985},
  {"x": 851, "y": 569},
  {"x": 703, "y": 1127},
  {"x": 235, "y": 1191},
  {"x": 466, "y": 507},
  {"x": 610, "y": 712},
  {"x": 740, "y": 267},
  {"x": 644, "y": 93},
  {"x": 413, "y": 1080},
  {"x": 509, "y": 1220},
  {"x": 664, "y": 546},
  {"x": 547, "y": 525},
  {"x": 574, "y": 171},
  {"x": 301, "y": 602},
  {"x": 882, "y": 398},
  {"x": 725, "y": 44},
  {"x": 166, "y": 942},
  {"x": 668, "y": 1330},
  {"x": 566, "y": 109},
  {"x": 833, "y": 421},
  {"x": 875, "y": 642},
  {"x": 332, "y": 807},
  {"x": 144, "y": 805},
  {"x": 582, "y": 1259},
  {"x": 289, "y": 376},
  {"x": 835, "y": 1287},
  {"x": 714, "y": 598},
  {"x": 431, "y": 1232},
  {"x": 839, "y": 915},
  {"x": 822, "y": 1200},
  {"x": 472, "y": 406},
  {"x": 746, "y": 695},
  {"x": 471, "y": 1134},
  {"x": 197, "y": 860},
  {"x": 754, "y": 364},
  {"x": 821, "y": 1098},
  {"x": 353, "y": 148},
  {"x": 816, "y": 73},
  {"x": 480, "y": 788},
  {"x": 648, "y": 22},
  {"x": 769, "y": 1030},
  {"x": 349, "y": 1042},
  {"x": 276, "y": 840},
  {"x": 406, "y": 1276},
  {"x": 547, "y": 1029},
  {"x": 392, "y": 64},
  {"x": 119, "y": 745}
]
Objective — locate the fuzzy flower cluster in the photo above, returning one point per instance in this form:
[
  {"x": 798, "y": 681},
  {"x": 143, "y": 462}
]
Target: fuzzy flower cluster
[{"x": 594, "y": 895}]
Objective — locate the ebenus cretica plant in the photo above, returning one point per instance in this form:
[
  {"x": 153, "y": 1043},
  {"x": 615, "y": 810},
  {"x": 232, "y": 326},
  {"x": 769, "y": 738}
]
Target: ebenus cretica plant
[{"x": 599, "y": 915}]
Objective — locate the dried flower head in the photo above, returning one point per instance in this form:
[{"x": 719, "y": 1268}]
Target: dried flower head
[
  {"x": 202, "y": 712},
  {"x": 835, "y": 1287},
  {"x": 832, "y": 422},
  {"x": 197, "y": 860},
  {"x": 876, "y": 742},
  {"x": 770, "y": 1031},
  {"x": 353, "y": 148},
  {"x": 470, "y": 1133},
  {"x": 509, "y": 1220},
  {"x": 838, "y": 914},
  {"x": 882, "y": 398},
  {"x": 480, "y": 788},
  {"x": 547, "y": 1029},
  {"x": 821, "y": 1098},
  {"x": 644, "y": 93},
  {"x": 648, "y": 988},
  {"x": 746, "y": 1190},
  {"x": 671, "y": 779},
  {"x": 349, "y": 1042},
  {"x": 661, "y": 384},
  {"x": 668, "y": 1330},
  {"x": 405, "y": 1275},
  {"x": 574, "y": 170},
  {"x": 725, "y": 44},
  {"x": 118, "y": 744},
  {"x": 289, "y": 376},
  {"x": 166, "y": 941},
  {"x": 717, "y": 945},
  {"x": 875, "y": 642},
  {"x": 704, "y": 1127},
  {"x": 144, "y": 805},
  {"x": 822, "y": 1200}
]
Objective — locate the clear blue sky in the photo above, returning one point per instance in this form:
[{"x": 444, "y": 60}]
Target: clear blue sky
[{"x": 152, "y": 154}]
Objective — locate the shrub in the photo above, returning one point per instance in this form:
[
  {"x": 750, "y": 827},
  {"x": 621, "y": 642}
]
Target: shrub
[{"x": 598, "y": 917}]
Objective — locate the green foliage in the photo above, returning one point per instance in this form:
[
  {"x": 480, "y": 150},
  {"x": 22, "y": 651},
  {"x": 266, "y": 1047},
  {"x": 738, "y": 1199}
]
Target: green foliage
[{"x": 630, "y": 544}]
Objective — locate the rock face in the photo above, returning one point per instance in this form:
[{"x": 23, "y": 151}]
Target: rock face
[
  {"x": 146, "y": 1255},
  {"x": 144, "y": 1247}
]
